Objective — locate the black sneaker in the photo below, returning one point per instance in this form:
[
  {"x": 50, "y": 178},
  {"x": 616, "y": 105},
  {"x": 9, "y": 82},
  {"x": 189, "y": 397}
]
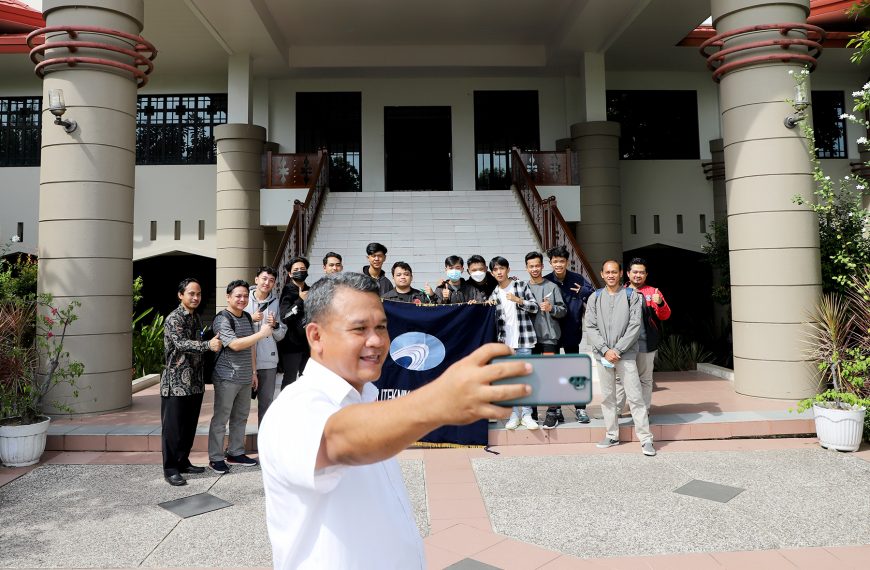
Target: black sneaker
[
  {"x": 218, "y": 467},
  {"x": 551, "y": 421},
  {"x": 559, "y": 416},
  {"x": 242, "y": 460}
]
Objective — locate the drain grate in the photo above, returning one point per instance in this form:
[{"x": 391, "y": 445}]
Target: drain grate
[
  {"x": 194, "y": 505},
  {"x": 709, "y": 491}
]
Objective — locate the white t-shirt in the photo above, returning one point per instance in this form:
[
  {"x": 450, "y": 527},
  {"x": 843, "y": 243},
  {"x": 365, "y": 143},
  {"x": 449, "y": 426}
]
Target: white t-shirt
[
  {"x": 511, "y": 324},
  {"x": 355, "y": 517}
]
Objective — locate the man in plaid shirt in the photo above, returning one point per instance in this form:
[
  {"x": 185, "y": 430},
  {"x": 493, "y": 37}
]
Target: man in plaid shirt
[{"x": 515, "y": 306}]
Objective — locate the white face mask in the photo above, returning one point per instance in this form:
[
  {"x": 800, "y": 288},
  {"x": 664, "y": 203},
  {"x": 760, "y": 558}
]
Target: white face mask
[{"x": 478, "y": 275}]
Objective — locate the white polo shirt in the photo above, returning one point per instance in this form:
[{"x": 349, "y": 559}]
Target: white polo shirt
[{"x": 339, "y": 517}]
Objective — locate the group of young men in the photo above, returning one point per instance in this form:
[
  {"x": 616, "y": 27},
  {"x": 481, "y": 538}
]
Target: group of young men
[{"x": 260, "y": 332}]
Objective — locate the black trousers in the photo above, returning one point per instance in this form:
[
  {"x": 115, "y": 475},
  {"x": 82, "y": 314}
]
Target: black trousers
[
  {"x": 178, "y": 416},
  {"x": 294, "y": 365}
]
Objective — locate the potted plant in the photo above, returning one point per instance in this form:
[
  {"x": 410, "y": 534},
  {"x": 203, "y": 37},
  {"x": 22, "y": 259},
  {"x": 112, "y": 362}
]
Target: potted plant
[
  {"x": 32, "y": 362},
  {"x": 839, "y": 344}
]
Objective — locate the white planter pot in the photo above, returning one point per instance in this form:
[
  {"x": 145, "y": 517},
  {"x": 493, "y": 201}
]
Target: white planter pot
[
  {"x": 23, "y": 445},
  {"x": 839, "y": 429}
]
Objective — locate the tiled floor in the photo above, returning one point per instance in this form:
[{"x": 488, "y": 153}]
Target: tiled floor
[{"x": 686, "y": 405}]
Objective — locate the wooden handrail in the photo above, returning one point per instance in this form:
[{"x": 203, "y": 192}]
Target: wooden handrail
[
  {"x": 547, "y": 221},
  {"x": 299, "y": 230}
]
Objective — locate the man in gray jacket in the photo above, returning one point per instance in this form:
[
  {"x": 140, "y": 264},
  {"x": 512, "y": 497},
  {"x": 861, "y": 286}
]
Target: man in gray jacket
[
  {"x": 547, "y": 328},
  {"x": 263, "y": 306},
  {"x": 612, "y": 323}
]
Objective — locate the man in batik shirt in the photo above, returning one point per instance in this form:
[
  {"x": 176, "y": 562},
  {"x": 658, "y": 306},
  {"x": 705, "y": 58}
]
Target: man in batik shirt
[{"x": 181, "y": 384}]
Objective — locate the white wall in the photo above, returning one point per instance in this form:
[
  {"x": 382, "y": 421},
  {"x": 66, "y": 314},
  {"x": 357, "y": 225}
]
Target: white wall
[
  {"x": 377, "y": 93},
  {"x": 666, "y": 188},
  {"x": 170, "y": 193},
  {"x": 19, "y": 196}
]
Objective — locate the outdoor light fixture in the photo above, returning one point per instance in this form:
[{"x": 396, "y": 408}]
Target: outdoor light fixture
[
  {"x": 57, "y": 107},
  {"x": 800, "y": 104}
]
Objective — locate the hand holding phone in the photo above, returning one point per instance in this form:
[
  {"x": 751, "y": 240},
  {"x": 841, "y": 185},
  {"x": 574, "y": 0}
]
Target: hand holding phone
[{"x": 555, "y": 379}]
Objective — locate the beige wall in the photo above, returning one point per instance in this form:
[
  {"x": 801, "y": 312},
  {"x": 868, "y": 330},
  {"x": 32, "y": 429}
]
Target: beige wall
[
  {"x": 666, "y": 188},
  {"x": 169, "y": 193}
]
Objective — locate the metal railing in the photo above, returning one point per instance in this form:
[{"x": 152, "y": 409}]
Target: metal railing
[
  {"x": 299, "y": 230},
  {"x": 546, "y": 219}
]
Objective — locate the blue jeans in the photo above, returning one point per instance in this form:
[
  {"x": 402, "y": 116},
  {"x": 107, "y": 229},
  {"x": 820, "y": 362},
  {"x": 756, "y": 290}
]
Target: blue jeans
[{"x": 521, "y": 411}]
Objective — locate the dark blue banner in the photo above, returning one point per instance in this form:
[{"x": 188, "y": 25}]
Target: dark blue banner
[{"x": 425, "y": 341}]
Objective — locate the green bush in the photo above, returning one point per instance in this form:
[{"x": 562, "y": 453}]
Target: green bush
[{"x": 674, "y": 354}]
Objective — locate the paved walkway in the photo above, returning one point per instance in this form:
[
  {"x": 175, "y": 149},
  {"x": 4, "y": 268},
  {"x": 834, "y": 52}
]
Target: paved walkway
[
  {"x": 564, "y": 504},
  {"x": 555, "y": 506}
]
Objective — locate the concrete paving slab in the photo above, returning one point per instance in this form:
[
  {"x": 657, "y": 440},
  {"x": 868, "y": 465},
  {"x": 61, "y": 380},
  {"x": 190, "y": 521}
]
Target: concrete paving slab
[
  {"x": 626, "y": 506},
  {"x": 90, "y": 516}
]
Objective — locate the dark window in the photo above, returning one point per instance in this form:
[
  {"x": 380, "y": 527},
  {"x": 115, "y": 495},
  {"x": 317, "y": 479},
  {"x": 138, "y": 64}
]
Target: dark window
[
  {"x": 153, "y": 230},
  {"x": 633, "y": 224},
  {"x": 830, "y": 129},
  {"x": 679, "y": 223},
  {"x": 19, "y": 231},
  {"x": 655, "y": 125},
  {"x": 703, "y": 223},
  {"x": 20, "y": 131},
  {"x": 201, "y": 234},
  {"x": 657, "y": 227},
  {"x": 177, "y": 229},
  {"x": 178, "y": 129},
  {"x": 502, "y": 120},
  {"x": 333, "y": 120}
]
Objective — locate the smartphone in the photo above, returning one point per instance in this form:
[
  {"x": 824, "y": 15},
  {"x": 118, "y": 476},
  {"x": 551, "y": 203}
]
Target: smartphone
[{"x": 555, "y": 379}]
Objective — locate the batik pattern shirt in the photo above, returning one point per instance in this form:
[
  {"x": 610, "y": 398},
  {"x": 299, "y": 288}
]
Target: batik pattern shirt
[{"x": 183, "y": 350}]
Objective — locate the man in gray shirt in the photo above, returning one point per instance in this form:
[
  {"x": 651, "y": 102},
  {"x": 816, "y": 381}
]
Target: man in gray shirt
[
  {"x": 612, "y": 323},
  {"x": 235, "y": 373}
]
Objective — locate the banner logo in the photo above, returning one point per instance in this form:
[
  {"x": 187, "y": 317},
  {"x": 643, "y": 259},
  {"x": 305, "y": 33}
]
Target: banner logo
[{"x": 417, "y": 351}]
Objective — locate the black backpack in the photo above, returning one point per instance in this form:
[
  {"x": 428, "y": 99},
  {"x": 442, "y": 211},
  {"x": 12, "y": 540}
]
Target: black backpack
[{"x": 210, "y": 358}]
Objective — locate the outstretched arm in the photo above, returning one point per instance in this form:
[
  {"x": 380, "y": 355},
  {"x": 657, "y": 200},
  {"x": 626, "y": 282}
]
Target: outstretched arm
[{"x": 368, "y": 433}]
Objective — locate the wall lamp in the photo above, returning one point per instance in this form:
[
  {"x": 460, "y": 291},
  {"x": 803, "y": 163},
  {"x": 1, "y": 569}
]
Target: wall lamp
[
  {"x": 57, "y": 107},
  {"x": 800, "y": 104}
]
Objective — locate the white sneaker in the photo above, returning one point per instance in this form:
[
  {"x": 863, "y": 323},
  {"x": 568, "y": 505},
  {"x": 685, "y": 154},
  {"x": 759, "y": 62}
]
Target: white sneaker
[
  {"x": 529, "y": 422},
  {"x": 513, "y": 422}
]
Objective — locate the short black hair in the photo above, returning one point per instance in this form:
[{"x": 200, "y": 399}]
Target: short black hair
[
  {"x": 638, "y": 261},
  {"x": 453, "y": 260},
  {"x": 606, "y": 261},
  {"x": 534, "y": 255},
  {"x": 237, "y": 283},
  {"x": 293, "y": 261},
  {"x": 330, "y": 254},
  {"x": 267, "y": 269},
  {"x": 558, "y": 251},
  {"x": 401, "y": 265},
  {"x": 185, "y": 282},
  {"x": 500, "y": 261},
  {"x": 376, "y": 247},
  {"x": 320, "y": 296},
  {"x": 476, "y": 259}
]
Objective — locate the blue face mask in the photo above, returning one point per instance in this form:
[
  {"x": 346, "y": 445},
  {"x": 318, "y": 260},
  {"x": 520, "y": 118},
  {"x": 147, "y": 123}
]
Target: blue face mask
[{"x": 454, "y": 274}]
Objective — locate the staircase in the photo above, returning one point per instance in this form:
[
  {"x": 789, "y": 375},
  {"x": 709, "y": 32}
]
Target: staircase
[{"x": 422, "y": 228}]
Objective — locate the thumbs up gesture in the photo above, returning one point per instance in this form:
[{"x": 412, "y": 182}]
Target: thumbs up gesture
[
  {"x": 657, "y": 297},
  {"x": 445, "y": 293}
]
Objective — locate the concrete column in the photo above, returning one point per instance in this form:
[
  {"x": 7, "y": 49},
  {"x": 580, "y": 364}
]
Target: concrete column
[
  {"x": 774, "y": 244},
  {"x": 586, "y": 93},
  {"x": 86, "y": 203},
  {"x": 238, "y": 232},
  {"x": 720, "y": 204},
  {"x": 240, "y": 89},
  {"x": 600, "y": 231}
]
